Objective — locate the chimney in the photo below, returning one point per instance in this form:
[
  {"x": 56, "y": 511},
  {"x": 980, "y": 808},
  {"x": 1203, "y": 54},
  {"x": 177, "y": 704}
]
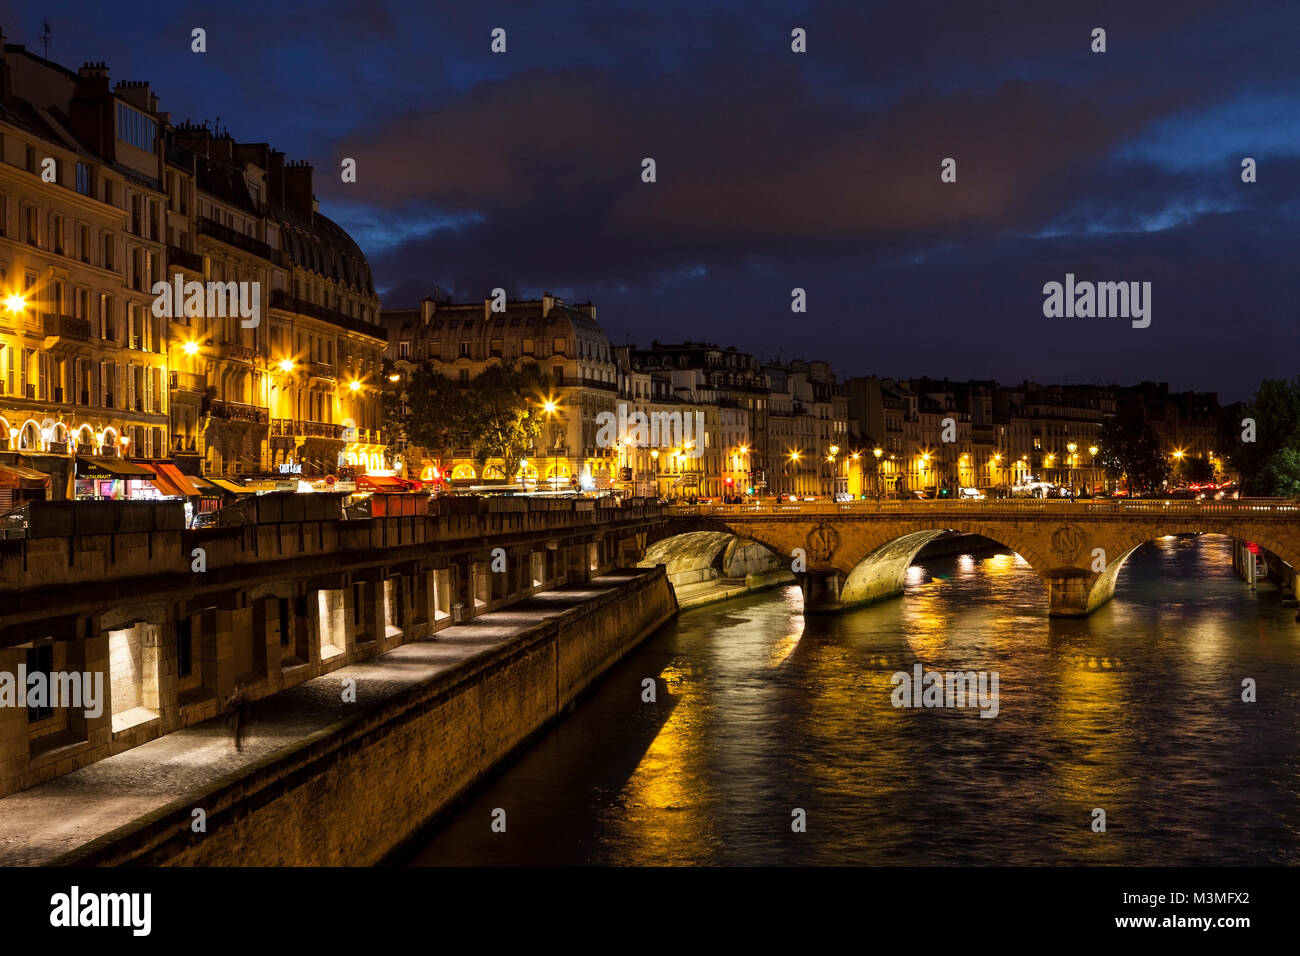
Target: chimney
[
  {"x": 275, "y": 177},
  {"x": 428, "y": 305},
  {"x": 297, "y": 187},
  {"x": 138, "y": 94},
  {"x": 548, "y": 303}
]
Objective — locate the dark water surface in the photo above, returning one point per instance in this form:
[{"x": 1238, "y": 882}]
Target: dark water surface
[{"x": 1136, "y": 710}]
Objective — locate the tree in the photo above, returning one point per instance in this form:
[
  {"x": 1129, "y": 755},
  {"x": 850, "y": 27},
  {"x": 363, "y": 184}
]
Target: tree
[
  {"x": 1131, "y": 449},
  {"x": 1265, "y": 461},
  {"x": 504, "y": 413},
  {"x": 436, "y": 417},
  {"x": 1197, "y": 470},
  {"x": 1281, "y": 473}
]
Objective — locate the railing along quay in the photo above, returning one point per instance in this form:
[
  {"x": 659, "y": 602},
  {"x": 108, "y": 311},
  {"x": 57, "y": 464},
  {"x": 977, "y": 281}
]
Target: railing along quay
[{"x": 1253, "y": 507}]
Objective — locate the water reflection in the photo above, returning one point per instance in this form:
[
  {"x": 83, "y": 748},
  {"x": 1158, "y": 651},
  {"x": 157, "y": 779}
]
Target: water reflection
[{"x": 1136, "y": 710}]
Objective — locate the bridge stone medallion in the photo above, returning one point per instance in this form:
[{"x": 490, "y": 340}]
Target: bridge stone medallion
[
  {"x": 1066, "y": 542},
  {"x": 822, "y": 542}
]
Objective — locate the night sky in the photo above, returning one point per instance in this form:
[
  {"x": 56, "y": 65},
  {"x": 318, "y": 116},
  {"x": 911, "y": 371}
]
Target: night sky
[{"x": 776, "y": 169}]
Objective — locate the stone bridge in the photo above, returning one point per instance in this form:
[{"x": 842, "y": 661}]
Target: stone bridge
[{"x": 857, "y": 552}]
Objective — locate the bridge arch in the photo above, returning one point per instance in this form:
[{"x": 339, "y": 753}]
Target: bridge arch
[
  {"x": 706, "y": 551},
  {"x": 877, "y": 566},
  {"x": 1121, "y": 547}
]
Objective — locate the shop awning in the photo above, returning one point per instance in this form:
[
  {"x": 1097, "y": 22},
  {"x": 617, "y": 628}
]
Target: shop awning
[
  {"x": 90, "y": 467},
  {"x": 164, "y": 484},
  {"x": 16, "y": 476},
  {"x": 227, "y": 485},
  {"x": 380, "y": 483},
  {"x": 183, "y": 482}
]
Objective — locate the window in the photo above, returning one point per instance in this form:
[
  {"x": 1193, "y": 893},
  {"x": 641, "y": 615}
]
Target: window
[
  {"x": 107, "y": 327},
  {"x": 464, "y": 376},
  {"x": 108, "y": 250},
  {"x": 403, "y": 349},
  {"x": 435, "y": 350},
  {"x": 500, "y": 323},
  {"x": 134, "y": 128},
  {"x": 184, "y": 648},
  {"x": 495, "y": 347},
  {"x": 40, "y": 660},
  {"x": 83, "y": 180},
  {"x": 528, "y": 346},
  {"x": 358, "y": 596},
  {"x": 464, "y": 350}
]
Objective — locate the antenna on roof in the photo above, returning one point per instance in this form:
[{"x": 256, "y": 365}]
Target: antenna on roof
[{"x": 45, "y": 37}]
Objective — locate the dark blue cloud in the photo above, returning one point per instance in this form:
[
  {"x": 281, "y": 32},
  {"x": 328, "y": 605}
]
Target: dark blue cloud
[{"x": 778, "y": 170}]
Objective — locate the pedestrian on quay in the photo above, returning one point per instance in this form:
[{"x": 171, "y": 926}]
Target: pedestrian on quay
[{"x": 237, "y": 711}]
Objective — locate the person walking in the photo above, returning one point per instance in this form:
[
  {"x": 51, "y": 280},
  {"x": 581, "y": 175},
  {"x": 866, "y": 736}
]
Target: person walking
[{"x": 237, "y": 708}]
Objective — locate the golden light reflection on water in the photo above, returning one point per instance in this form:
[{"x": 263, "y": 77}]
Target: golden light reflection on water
[{"x": 1135, "y": 710}]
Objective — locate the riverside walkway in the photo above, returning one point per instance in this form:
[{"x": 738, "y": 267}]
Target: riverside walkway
[{"x": 53, "y": 823}]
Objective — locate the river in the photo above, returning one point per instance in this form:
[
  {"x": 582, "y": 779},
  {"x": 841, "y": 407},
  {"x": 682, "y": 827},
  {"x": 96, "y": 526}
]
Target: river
[{"x": 1136, "y": 710}]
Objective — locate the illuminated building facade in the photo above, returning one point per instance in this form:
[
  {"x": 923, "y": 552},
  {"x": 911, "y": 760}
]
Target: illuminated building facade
[{"x": 102, "y": 197}]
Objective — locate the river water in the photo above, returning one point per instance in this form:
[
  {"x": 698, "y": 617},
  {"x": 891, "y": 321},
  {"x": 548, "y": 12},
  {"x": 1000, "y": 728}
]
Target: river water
[{"x": 1136, "y": 710}]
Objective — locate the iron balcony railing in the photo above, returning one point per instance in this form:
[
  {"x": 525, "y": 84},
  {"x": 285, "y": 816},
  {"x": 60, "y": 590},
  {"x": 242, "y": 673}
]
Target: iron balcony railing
[
  {"x": 1016, "y": 506},
  {"x": 184, "y": 259},
  {"x": 239, "y": 412},
  {"x": 67, "y": 327},
  {"x": 295, "y": 428},
  {"x": 210, "y": 227},
  {"x": 188, "y": 381},
  {"x": 285, "y": 301}
]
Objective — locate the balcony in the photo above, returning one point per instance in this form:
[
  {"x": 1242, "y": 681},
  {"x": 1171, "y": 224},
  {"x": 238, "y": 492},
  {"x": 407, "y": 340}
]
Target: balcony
[
  {"x": 210, "y": 227},
  {"x": 239, "y": 412},
  {"x": 184, "y": 259},
  {"x": 320, "y": 370},
  {"x": 66, "y": 327},
  {"x": 573, "y": 381},
  {"x": 291, "y": 428},
  {"x": 321, "y": 430},
  {"x": 281, "y": 299},
  {"x": 240, "y": 353},
  {"x": 188, "y": 382}
]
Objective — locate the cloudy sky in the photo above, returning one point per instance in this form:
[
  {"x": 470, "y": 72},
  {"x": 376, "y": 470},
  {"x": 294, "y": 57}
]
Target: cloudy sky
[{"x": 779, "y": 170}]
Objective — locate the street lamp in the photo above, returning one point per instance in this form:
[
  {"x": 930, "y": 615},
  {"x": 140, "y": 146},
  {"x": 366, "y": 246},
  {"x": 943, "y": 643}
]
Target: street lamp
[
  {"x": 1071, "y": 448},
  {"x": 877, "y": 452},
  {"x": 794, "y": 460},
  {"x": 654, "y": 458}
]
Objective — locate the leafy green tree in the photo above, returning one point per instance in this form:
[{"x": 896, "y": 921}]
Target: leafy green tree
[
  {"x": 1281, "y": 473},
  {"x": 1130, "y": 449},
  {"x": 504, "y": 413},
  {"x": 437, "y": 415},
  {"x": 1264, "y": 462}
]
